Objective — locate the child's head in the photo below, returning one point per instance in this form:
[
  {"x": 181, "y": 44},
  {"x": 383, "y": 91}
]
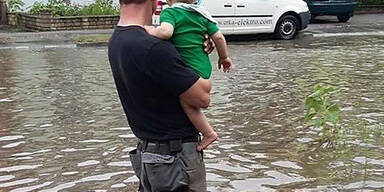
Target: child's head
[{"x": 170, "y": 2}]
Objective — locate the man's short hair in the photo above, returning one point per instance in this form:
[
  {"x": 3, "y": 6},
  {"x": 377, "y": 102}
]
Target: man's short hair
[
  {"x": 132, "y": 1},
  {"x": 188, "y": 1}
]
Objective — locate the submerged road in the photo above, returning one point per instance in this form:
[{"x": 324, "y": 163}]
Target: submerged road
[{"x": 62, "y": 127}]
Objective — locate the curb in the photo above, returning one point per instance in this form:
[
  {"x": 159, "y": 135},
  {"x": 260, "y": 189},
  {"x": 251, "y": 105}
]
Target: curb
[
  {"x": 49, "y": 37},
  {"x": 370, "y": 9},
  {"x": 93, "y": 44}
]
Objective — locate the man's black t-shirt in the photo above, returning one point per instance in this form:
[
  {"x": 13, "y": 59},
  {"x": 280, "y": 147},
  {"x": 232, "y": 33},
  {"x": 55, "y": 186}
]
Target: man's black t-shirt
[{"x": 150, "y": 75}]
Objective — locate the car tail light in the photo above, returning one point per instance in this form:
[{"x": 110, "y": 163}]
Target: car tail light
[{"x": 159, "y": 7}]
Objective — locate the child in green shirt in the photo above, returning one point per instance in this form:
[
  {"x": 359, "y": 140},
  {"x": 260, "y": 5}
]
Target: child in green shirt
[{"x": 186, "y": 24}]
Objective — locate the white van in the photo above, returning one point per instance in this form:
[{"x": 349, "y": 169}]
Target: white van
[{"x": 284, "y": 18}]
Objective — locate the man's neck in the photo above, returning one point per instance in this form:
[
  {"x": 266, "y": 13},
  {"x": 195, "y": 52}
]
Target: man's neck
[{"x": 134, "y": 15}]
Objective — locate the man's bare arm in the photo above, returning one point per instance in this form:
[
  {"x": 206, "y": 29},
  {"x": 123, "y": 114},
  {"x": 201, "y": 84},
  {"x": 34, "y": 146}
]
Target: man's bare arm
[{"x": 198, "y": 95}]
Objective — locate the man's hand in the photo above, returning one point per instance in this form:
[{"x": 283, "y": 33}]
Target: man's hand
[
  {"x": 209, "y": 46},
  {"x": 226, "y": 64}
]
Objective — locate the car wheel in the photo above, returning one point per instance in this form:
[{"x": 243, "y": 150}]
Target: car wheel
[
  {"x": 286, "y": 27},
  {"x": 344, "y": 18}
]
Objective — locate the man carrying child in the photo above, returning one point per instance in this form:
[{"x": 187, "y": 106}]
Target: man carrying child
[{"x": 154, "y": 86}]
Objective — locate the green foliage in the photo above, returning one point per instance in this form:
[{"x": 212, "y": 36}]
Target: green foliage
[
  {"x": 15, "y": 5},
  {"x": 36, "y": 8},
  {"x": 62, "y": 8},
  {"x": 65, "y": 8},
  {"x": 100, "y": 7},
  {"x": 56, "y": 7},
  {"x": 320, "y": 112},
  {"x": 378, "y": 133},
  {"x": 344, "y": 146}
]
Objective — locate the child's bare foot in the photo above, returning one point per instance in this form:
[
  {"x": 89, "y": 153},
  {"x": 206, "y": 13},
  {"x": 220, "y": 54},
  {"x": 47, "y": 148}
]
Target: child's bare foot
[{"x": 207, "y": 140}]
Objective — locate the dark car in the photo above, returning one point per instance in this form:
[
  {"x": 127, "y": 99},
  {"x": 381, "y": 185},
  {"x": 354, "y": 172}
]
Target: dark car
[{"x": 343, "y": 9}]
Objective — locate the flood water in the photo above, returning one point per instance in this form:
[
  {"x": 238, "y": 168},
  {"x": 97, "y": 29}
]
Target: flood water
[{"x": 62, "y": 127}]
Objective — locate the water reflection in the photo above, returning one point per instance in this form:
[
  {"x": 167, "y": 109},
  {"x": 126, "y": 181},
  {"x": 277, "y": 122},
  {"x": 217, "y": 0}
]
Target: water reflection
[{"x": 63, "y": 129}]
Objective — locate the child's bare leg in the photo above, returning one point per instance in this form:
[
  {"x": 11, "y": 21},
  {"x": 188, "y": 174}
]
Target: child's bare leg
[{"x": 199, "y": 120}]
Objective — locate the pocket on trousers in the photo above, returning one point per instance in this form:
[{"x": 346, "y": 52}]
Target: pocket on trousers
[
  {"x": 135, "y": 157},
  {"x": 166, "y": 172}
]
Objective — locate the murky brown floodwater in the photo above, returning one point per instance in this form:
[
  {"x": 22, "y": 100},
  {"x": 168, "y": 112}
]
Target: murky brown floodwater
[{"x": 62, "y": 127}]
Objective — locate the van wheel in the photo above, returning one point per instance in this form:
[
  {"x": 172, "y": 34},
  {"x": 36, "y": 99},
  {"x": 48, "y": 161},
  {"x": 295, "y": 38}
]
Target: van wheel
[
  {"x": 286, "y": 27},
  {"x": 344, "y": 18}
]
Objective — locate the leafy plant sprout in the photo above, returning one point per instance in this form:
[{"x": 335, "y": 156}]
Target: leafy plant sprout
[{"x": 323, "y": 114}]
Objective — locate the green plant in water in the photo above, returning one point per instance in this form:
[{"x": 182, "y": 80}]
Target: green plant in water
[
  {"x": 366, "y": 134},
  {"x": 15, "y": 5},
  {"x": 320, "y": 112},
  {"x": 378, "y": 133}
]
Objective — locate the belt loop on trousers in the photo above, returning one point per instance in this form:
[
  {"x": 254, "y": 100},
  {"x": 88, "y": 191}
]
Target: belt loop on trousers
[
  {"x": 145, "y": 144},
  {"x": 157, "y": 145},
  {"x": 175, "y": 146}
]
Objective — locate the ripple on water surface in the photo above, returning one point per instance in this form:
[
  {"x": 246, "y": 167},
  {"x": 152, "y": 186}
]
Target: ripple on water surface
[{"x": 62, "y": 127}]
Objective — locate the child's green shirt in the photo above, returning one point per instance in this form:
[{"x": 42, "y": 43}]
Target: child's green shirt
[{"x": 188, "y": 37}]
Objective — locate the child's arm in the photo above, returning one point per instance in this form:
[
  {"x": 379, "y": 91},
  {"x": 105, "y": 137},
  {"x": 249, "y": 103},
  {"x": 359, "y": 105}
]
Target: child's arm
[
  {"x": 221, "y": 46},
  {"x": 164, "y": 31}
]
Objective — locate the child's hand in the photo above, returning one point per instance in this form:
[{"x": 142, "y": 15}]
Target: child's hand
[{"x": 226, "y": 64}]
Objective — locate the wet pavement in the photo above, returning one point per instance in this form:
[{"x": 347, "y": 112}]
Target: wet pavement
[
  {"x": 62, "y": 127},
  {"x": 358, "y": 25}
]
